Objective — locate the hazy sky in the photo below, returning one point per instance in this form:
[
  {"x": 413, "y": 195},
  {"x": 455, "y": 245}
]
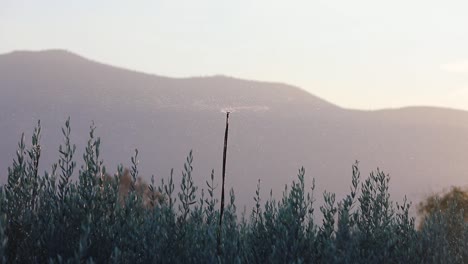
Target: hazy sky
[{"x": 363, "y": 54}]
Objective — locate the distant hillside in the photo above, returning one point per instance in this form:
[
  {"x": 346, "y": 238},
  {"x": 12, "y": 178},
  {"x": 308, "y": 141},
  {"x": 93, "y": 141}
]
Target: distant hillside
[{"x": 275, "y": 128}]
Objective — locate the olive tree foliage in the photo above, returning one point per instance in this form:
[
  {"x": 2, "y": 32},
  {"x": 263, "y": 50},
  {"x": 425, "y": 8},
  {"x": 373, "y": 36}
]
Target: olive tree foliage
[{"x": 83, "y": 215}]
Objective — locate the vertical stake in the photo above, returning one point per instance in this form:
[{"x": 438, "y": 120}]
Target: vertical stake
[{"x": 222, "y": 186}]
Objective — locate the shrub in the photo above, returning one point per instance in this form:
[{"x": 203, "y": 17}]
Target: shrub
[{"x": 53, "y": 218}]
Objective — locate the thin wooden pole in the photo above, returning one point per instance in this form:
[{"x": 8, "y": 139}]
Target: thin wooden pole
[{"x": 222, "y": 186}]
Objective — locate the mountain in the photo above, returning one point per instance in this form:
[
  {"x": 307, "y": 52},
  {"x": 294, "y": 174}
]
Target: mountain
[{"x": 274, "y": 128}]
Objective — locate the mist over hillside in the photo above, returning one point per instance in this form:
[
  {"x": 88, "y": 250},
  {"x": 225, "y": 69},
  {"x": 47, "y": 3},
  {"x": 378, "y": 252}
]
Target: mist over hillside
[{"x": 274, "y": 130}]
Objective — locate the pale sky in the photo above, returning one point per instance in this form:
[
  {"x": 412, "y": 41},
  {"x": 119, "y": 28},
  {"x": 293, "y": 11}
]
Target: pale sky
[{"x": 364, "y": 54}]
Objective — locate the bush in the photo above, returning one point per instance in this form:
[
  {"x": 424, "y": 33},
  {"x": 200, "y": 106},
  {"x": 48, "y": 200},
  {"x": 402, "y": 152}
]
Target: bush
[{"x": 52, "y": 218}]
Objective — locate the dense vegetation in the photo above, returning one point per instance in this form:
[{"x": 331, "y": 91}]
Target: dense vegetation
[{"x": 53, "y": 218}]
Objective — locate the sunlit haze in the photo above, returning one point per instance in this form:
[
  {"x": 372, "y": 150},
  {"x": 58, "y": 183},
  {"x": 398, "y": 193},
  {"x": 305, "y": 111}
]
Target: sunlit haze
[{"x": 357, "y": 54}]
